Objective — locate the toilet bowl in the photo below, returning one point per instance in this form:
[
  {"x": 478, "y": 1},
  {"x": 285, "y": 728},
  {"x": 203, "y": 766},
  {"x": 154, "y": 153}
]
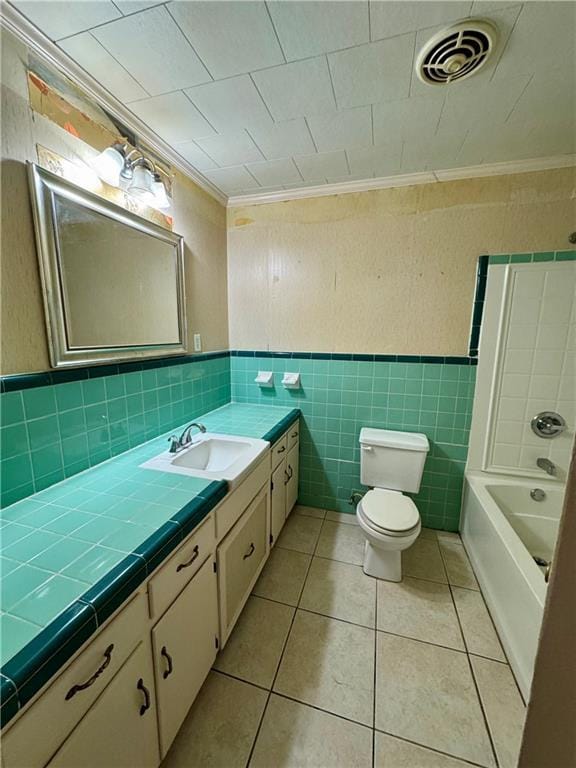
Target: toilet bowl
[
  {"x": 391, "y": 523},
  {"x": 390, "y": 463}
]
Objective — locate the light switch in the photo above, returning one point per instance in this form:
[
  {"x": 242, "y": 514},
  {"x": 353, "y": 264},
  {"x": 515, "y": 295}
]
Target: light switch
[{"x": 197, "y": 342}]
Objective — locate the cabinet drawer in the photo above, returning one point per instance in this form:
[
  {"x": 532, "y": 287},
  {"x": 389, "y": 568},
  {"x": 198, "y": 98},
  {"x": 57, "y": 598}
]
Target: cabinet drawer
[
  {"x": 120, "y": 729},
  {"x": 36, "y": 736},
  {"x": 279, "y": 451},
  {"x": 240, "y": 559},
  {"x": 293, "y": 434},
  {"x": 173, "y": 576},
  {"x": 229, "y": 511}
]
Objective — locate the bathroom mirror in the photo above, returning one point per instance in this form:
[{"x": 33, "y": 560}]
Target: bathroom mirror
[{"x": 113, "y": 282}]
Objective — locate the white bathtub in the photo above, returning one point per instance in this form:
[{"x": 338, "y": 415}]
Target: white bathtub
[{"x": 503, "y": 528}]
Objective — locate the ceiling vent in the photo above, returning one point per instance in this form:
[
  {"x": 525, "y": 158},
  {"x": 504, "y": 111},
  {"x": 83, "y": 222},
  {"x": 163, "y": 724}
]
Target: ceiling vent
[{"x": 456, "y": 52}]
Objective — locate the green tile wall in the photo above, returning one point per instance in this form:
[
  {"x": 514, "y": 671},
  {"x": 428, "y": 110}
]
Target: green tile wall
[
  {"x": 52, "y": 432},
  {"x": 339, "y": 397}
]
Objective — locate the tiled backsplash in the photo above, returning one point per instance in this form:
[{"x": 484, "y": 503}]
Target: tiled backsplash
[
  {"x": 338, "y": 397},
  {"x": 54, "y": 431}
]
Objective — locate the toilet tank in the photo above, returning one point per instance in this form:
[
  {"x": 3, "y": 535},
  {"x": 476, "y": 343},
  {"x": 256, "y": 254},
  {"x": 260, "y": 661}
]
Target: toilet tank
[{"x": 393, "y": 460}]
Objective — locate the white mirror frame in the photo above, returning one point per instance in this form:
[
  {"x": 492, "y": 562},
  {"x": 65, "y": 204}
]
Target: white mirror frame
[{"x": 44, "y": 186}]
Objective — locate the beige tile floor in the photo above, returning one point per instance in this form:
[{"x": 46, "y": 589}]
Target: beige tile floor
[{"x": 330, "y": 668}]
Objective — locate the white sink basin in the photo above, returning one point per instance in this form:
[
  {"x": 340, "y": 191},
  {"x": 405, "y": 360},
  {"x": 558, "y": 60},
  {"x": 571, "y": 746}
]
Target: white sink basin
[{"x": 212, "y": 457}]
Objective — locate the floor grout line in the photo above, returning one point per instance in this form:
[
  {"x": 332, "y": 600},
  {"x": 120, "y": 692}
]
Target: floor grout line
[
  {"x": 282, "y": 652},
  {"x": 476, "y": 687},
  {"x": 432, "y": 749}
]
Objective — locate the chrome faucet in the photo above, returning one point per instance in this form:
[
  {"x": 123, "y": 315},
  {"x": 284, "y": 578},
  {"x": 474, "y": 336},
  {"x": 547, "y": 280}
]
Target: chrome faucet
[
  {"x": 178, "y": 443},
  {"x": 547, "y": 466}
]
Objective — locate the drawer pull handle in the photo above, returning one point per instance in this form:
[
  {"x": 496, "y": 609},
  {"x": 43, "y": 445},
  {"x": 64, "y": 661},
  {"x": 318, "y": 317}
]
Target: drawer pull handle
[
  {"x": 91, "y": 680},
  {"x": 195, "y": 553},
  {"x": 167, "y": 672},
  {"x": 291, "y": 472},
  {"x": 250, "y": 552},
  {"x": 294, "y": 434},
  {"x": 281, "y": 449},
  {"x": 286, "y": 477},
  {"x": 141, "y": 687}
]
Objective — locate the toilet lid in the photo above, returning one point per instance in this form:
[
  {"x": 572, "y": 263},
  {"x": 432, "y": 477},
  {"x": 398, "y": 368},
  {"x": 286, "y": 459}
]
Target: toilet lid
[{"x": 390, "y": 510}]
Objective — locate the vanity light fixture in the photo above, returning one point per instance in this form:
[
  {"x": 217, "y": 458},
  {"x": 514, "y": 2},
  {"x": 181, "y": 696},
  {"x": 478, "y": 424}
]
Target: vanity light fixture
[{"x": 137, "y": 176}]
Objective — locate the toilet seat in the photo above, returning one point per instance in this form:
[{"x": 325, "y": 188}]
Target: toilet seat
[{"x": 389, "y": 512}]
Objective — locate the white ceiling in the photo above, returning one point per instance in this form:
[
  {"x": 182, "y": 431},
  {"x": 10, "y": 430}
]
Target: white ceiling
[{"x": 264, "y": 96}]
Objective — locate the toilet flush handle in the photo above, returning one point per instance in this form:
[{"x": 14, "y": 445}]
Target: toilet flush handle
[{"x": 367, "y": 448}]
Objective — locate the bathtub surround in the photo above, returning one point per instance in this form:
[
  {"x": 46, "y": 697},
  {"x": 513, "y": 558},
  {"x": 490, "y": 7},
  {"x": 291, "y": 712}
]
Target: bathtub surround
[
  {"x": 51, "y": 431},
  {"x": 342, "y": 393},
  {"x": 528, "y": 364}
]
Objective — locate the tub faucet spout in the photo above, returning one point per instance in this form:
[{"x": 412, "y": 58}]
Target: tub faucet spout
[{"x": 547, "y": 466}]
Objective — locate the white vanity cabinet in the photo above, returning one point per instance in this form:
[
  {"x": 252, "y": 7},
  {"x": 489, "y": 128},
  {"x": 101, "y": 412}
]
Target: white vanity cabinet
[
  {"x": 284, "y": 479},
  {"x": 120, "y": 729},
  {"x": 241, "y": 557},
  {"x": 121, "y": 700},
  {"x": 34, "y": 738},
  {"x": 184, "y": 646}
]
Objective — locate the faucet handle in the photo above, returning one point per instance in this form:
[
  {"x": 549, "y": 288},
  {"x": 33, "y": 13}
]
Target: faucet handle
[{"x": 174, "y": 444}]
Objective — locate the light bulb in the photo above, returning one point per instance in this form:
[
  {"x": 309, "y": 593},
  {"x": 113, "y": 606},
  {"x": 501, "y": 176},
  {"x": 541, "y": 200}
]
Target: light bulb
[
  {"x": 161, "y": 199},
  {"x": 108, "y": 165},
  {"x": 141, "y": 185}
]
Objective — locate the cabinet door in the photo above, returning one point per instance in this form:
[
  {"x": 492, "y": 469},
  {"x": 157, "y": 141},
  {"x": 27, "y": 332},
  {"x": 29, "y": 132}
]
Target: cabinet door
[
  {"x": 241, "y": 557},
  {"x": 278, "y": 501},
  {"x": 292, "y": 461},
  {"x": 120, "y": 729},
  {"x": 184, "y": 644}
]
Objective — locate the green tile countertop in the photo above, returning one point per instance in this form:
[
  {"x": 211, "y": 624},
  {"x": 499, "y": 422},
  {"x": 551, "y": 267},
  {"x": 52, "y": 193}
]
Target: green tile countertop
[{"x": 74, "y": 552}]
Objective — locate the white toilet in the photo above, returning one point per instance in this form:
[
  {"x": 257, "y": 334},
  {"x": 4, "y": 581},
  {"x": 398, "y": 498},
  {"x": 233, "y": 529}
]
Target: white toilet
[{"x": 390, "y": 462}]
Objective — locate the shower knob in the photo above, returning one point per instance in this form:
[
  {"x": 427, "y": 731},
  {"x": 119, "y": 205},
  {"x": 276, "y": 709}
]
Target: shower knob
[{"x": 548, "y": 424}]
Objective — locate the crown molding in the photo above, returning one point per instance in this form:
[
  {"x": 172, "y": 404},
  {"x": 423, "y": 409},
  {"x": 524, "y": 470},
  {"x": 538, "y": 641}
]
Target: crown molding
[
  {"x": 31, "y": 36},
  {"x": 508, "y": 168},
  {"x": 408, "y": 179}
]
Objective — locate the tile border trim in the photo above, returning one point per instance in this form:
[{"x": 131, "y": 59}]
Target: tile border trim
[
  {"x": 532, "y": 258},
  {"x": 354, "y": 357},
  {"x": 478, "y": 306},
  {"x": 17, "y": 382}
]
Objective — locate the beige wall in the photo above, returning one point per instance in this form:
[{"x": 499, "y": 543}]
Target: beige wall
[
  {"x": 198, "y": 217},
  {"x": 387, "y": 271}
]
